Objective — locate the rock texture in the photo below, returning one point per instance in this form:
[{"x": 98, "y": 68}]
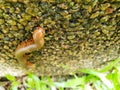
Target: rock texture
[{"x": 79, "y": 34}]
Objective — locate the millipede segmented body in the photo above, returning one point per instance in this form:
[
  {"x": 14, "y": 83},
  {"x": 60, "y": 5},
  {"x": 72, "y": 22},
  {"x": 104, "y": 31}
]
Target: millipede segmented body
[{"x": 35, "y": 43}]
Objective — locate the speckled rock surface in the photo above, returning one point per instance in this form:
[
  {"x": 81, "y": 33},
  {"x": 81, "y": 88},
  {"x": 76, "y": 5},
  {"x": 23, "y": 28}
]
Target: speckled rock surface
[{"x": 79, "y": 34}]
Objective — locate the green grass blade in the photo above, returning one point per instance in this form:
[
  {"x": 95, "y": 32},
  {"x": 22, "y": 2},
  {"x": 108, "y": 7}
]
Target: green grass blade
[
  {"x": 110, "y": 65},
  {"x": 101, "y": 76}
]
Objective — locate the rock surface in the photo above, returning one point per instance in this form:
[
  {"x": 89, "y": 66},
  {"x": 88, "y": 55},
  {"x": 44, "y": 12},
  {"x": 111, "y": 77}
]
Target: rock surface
[{"x": 79, "y": 34}]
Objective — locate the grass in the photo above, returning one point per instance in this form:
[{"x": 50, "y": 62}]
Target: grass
[{"x": 107, "y": 78}]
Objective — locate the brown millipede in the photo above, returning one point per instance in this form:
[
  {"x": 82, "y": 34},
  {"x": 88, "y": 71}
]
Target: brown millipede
[{"x": 35, "y": 43}]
